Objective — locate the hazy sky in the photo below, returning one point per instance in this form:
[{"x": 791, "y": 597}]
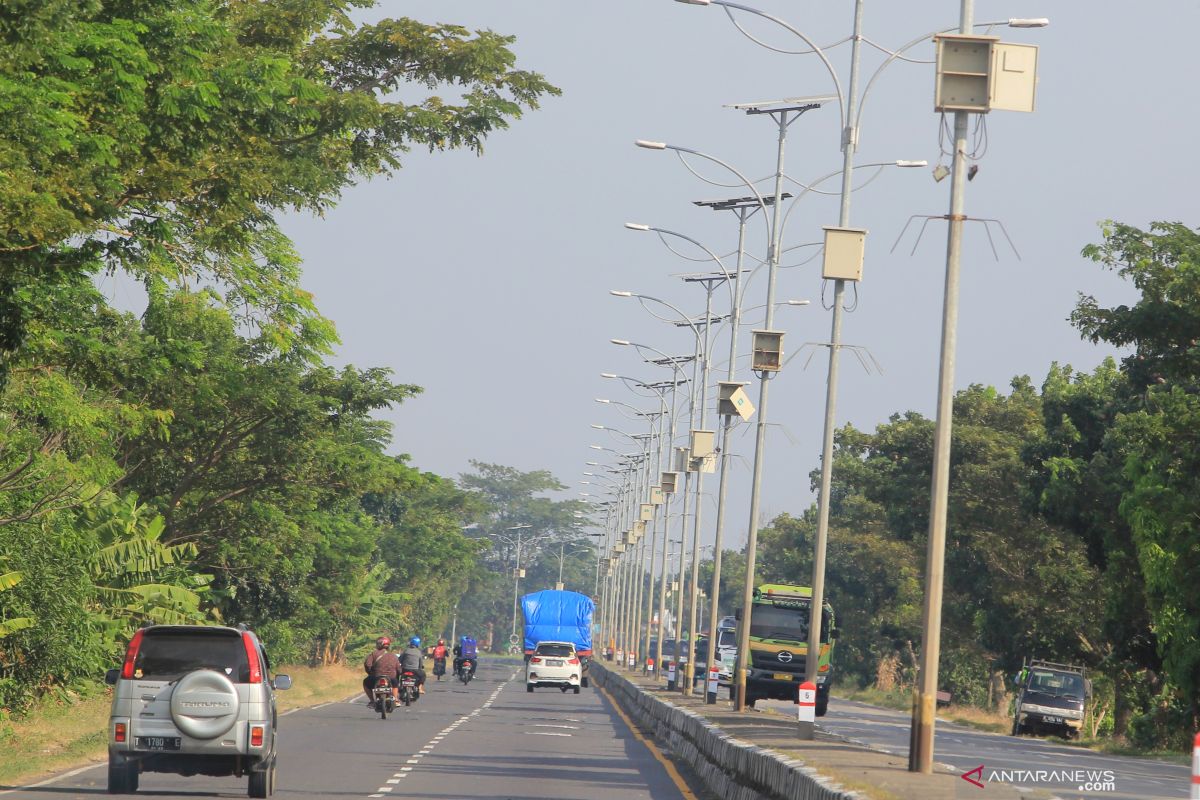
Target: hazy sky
[{"x": 485, "y": 280}]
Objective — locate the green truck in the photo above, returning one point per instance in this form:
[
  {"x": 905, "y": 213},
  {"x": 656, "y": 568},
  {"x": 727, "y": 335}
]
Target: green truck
[{"x": 779, "y": 624}]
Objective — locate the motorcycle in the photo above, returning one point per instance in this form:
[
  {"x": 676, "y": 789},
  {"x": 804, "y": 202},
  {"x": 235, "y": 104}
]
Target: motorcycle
[
  {"x": 408, "y": 688},
  {"x": 466, "y": 670},
  {"x": 385, "y": 701},
  {"x": 439, "y": 667}
]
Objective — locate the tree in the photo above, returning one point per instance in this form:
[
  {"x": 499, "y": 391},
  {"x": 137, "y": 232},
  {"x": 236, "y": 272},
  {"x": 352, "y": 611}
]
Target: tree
[{"x": 124, "y": 150}]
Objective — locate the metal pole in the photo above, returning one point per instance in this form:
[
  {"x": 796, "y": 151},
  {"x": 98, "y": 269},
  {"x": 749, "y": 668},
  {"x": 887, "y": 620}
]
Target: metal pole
[
  {"x": 657, "y": 465},
  {"x": 662, "y": 588},
  {"x": 760, "y": 432},
  {"x": 726, "y": 425},
  {"x": 516, "y": 581},
  {"x": 920, "y": 756},
  {"x": 693, "y": 591},
  {"x": 849, "y": 145}
]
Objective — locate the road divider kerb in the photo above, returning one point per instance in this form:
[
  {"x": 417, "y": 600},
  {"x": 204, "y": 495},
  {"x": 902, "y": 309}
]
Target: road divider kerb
[{"x": 731, "y": 768}]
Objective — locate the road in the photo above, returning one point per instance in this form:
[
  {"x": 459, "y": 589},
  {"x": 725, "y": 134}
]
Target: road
[
  {"x": 1013, "y": 760},
  {"x": 487, "y": 740}
]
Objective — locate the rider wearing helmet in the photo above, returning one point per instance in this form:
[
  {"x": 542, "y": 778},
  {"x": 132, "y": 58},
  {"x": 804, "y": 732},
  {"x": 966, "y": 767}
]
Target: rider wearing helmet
[
  {"x": 413, "y": 660},
  {"x": 439, "y": 658},
  {"x": 381, "y": 663},
  {"x": 464, "y": 650}
]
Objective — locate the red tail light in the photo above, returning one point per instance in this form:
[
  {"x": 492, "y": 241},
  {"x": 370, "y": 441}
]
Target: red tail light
[
  {"x": 252, "y": 657},
  {"x": 535, "y": 660},
  {"x": 131, "y": 656},
  {"x": 119, "y": 729},
  {"x": 382, "y": 682},
  {"x": 572, "y": 660},
  {"x": 256, "y": 736}
]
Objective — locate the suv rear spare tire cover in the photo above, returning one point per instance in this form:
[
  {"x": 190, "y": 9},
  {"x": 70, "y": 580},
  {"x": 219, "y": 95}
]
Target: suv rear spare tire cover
[{"x": 204, "y": 704}]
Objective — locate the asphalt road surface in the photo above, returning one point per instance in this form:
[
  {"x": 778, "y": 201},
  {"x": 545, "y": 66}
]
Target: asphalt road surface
[
  {"x": 490, "y": 739},
  {"x": 1021, "y": 761}
]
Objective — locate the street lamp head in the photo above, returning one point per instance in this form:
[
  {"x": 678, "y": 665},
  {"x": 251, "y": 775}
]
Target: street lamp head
[
  {"x": 904, "y": 163},
  {"x": 695, "y": 2},
  {"x": 623, "y": 342},
  {"x": 608, "y": 374},
  {"x": 1039, "y": 22},
  {"x": 620, "y": 293},
  {"x": 598, "y": 427},
  {"x": 637, "y": 226},
  {"x": 649, "y": 145},
  {"x": 595, "y": 447},
  {"x": 797, "y": 302}
]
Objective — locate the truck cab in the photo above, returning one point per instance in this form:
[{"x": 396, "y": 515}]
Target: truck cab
[
  {"x": 1052, "y": 699},
  {"x": 779, "y": 624}
]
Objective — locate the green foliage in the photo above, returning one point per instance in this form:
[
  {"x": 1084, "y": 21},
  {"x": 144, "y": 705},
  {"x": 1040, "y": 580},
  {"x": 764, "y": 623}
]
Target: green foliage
[{"x": 125, "y": 150}]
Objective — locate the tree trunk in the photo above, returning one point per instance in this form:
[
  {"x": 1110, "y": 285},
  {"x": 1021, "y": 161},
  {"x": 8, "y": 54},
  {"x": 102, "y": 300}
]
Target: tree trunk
[{"x": 1122, "y": 709}]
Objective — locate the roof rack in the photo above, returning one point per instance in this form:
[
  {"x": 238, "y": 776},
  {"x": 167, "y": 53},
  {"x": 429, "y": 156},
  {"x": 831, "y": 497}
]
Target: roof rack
[{"x": 1038, "y": 662}]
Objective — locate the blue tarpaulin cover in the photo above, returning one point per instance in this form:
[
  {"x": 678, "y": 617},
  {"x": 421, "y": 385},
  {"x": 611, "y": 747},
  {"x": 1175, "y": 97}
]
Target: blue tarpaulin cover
[{"x": 558, "y": 616}]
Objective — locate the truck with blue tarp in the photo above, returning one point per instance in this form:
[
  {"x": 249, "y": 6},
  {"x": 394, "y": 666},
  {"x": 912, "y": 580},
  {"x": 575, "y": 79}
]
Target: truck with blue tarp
[{"x": 554, "y": 615}]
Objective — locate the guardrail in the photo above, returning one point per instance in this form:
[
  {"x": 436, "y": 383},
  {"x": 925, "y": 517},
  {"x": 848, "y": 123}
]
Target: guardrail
[{"x": 732, "y": 768}]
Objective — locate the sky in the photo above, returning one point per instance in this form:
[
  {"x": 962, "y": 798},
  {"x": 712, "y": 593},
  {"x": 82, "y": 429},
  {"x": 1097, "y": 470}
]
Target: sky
[{"x": 486, "y": 280}]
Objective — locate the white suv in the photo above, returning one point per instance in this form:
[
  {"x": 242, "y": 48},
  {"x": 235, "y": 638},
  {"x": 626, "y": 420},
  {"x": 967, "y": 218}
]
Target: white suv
[
  {"x": 193, "y": 700},
  {"x": 553, "y": 664}
]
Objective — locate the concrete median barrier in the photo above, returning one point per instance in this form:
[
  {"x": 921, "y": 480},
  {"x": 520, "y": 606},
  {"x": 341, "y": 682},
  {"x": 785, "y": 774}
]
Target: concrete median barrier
[{"x": 731, "y": 768}]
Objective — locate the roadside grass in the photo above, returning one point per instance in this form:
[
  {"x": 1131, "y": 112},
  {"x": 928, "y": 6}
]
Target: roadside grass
[{"x": 60, "y": 734}]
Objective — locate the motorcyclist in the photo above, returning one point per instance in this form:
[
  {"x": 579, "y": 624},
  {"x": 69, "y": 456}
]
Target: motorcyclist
[
  {"x": 381, "y": 663},
  {"x": 464, "y": 650},
  {"x": 439, "y": 658},
  {"x": 413, "y": 660}
]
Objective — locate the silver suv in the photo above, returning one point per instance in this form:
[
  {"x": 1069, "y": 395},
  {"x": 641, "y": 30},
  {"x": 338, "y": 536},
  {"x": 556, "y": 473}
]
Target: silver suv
[{"x": 193, "y": 700}]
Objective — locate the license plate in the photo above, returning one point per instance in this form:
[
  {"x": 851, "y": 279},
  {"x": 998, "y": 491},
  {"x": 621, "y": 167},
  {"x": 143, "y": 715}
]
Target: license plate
[
  {"x": 554, "y": 662},
  {"x": 1053, "y": 720},
  {"x": 409, "y": 682},
  {"x": 782, "y": 676},
  {"x": 158, "y": 742}
]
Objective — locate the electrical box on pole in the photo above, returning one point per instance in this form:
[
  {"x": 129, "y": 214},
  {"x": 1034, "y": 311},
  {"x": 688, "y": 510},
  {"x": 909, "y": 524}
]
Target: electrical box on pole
[
  {"x": 733, "y": 400},
  {"x": 767, "y": 353},
  {"x": 668, "y": 480},
  {"x": 981, "y": 74},
  {"x": 647, "y": 512},
  {"x": 844, "y": 251}
]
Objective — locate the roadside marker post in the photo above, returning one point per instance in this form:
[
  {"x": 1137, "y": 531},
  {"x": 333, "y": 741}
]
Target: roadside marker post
[
  {"x": 632, "y": 659},
  {"x": 650, "y": 665},
  {"x": 1196, "y": 768},
  {"x": 806, "y": 709},
  {"x": 671, "y": 675},
  {"x": 710, "y": 696}
]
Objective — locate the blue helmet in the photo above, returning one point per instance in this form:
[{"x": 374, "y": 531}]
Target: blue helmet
[{"x": 415, "y": 641}]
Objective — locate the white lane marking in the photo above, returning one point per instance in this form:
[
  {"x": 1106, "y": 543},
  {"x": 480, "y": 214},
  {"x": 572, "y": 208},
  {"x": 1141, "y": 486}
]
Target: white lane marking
[
  {"x": 393, "y": 780},
  {"x": 567, "y": 727},
  {"x": 406, "y": 769},
  {"x": 384, "y": 789},
  {"x": 374, "y": 795},
  {"x": 55, "y": 779},
  {"x": 544, "y": 733},
  {"x": 413, "y": 761}
]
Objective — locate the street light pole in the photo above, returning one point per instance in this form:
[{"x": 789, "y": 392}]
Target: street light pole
[
  {"x": 761, "y": 423},
  {"x": 512, "y": 639},
  {"x": 920, "y": 756}
]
